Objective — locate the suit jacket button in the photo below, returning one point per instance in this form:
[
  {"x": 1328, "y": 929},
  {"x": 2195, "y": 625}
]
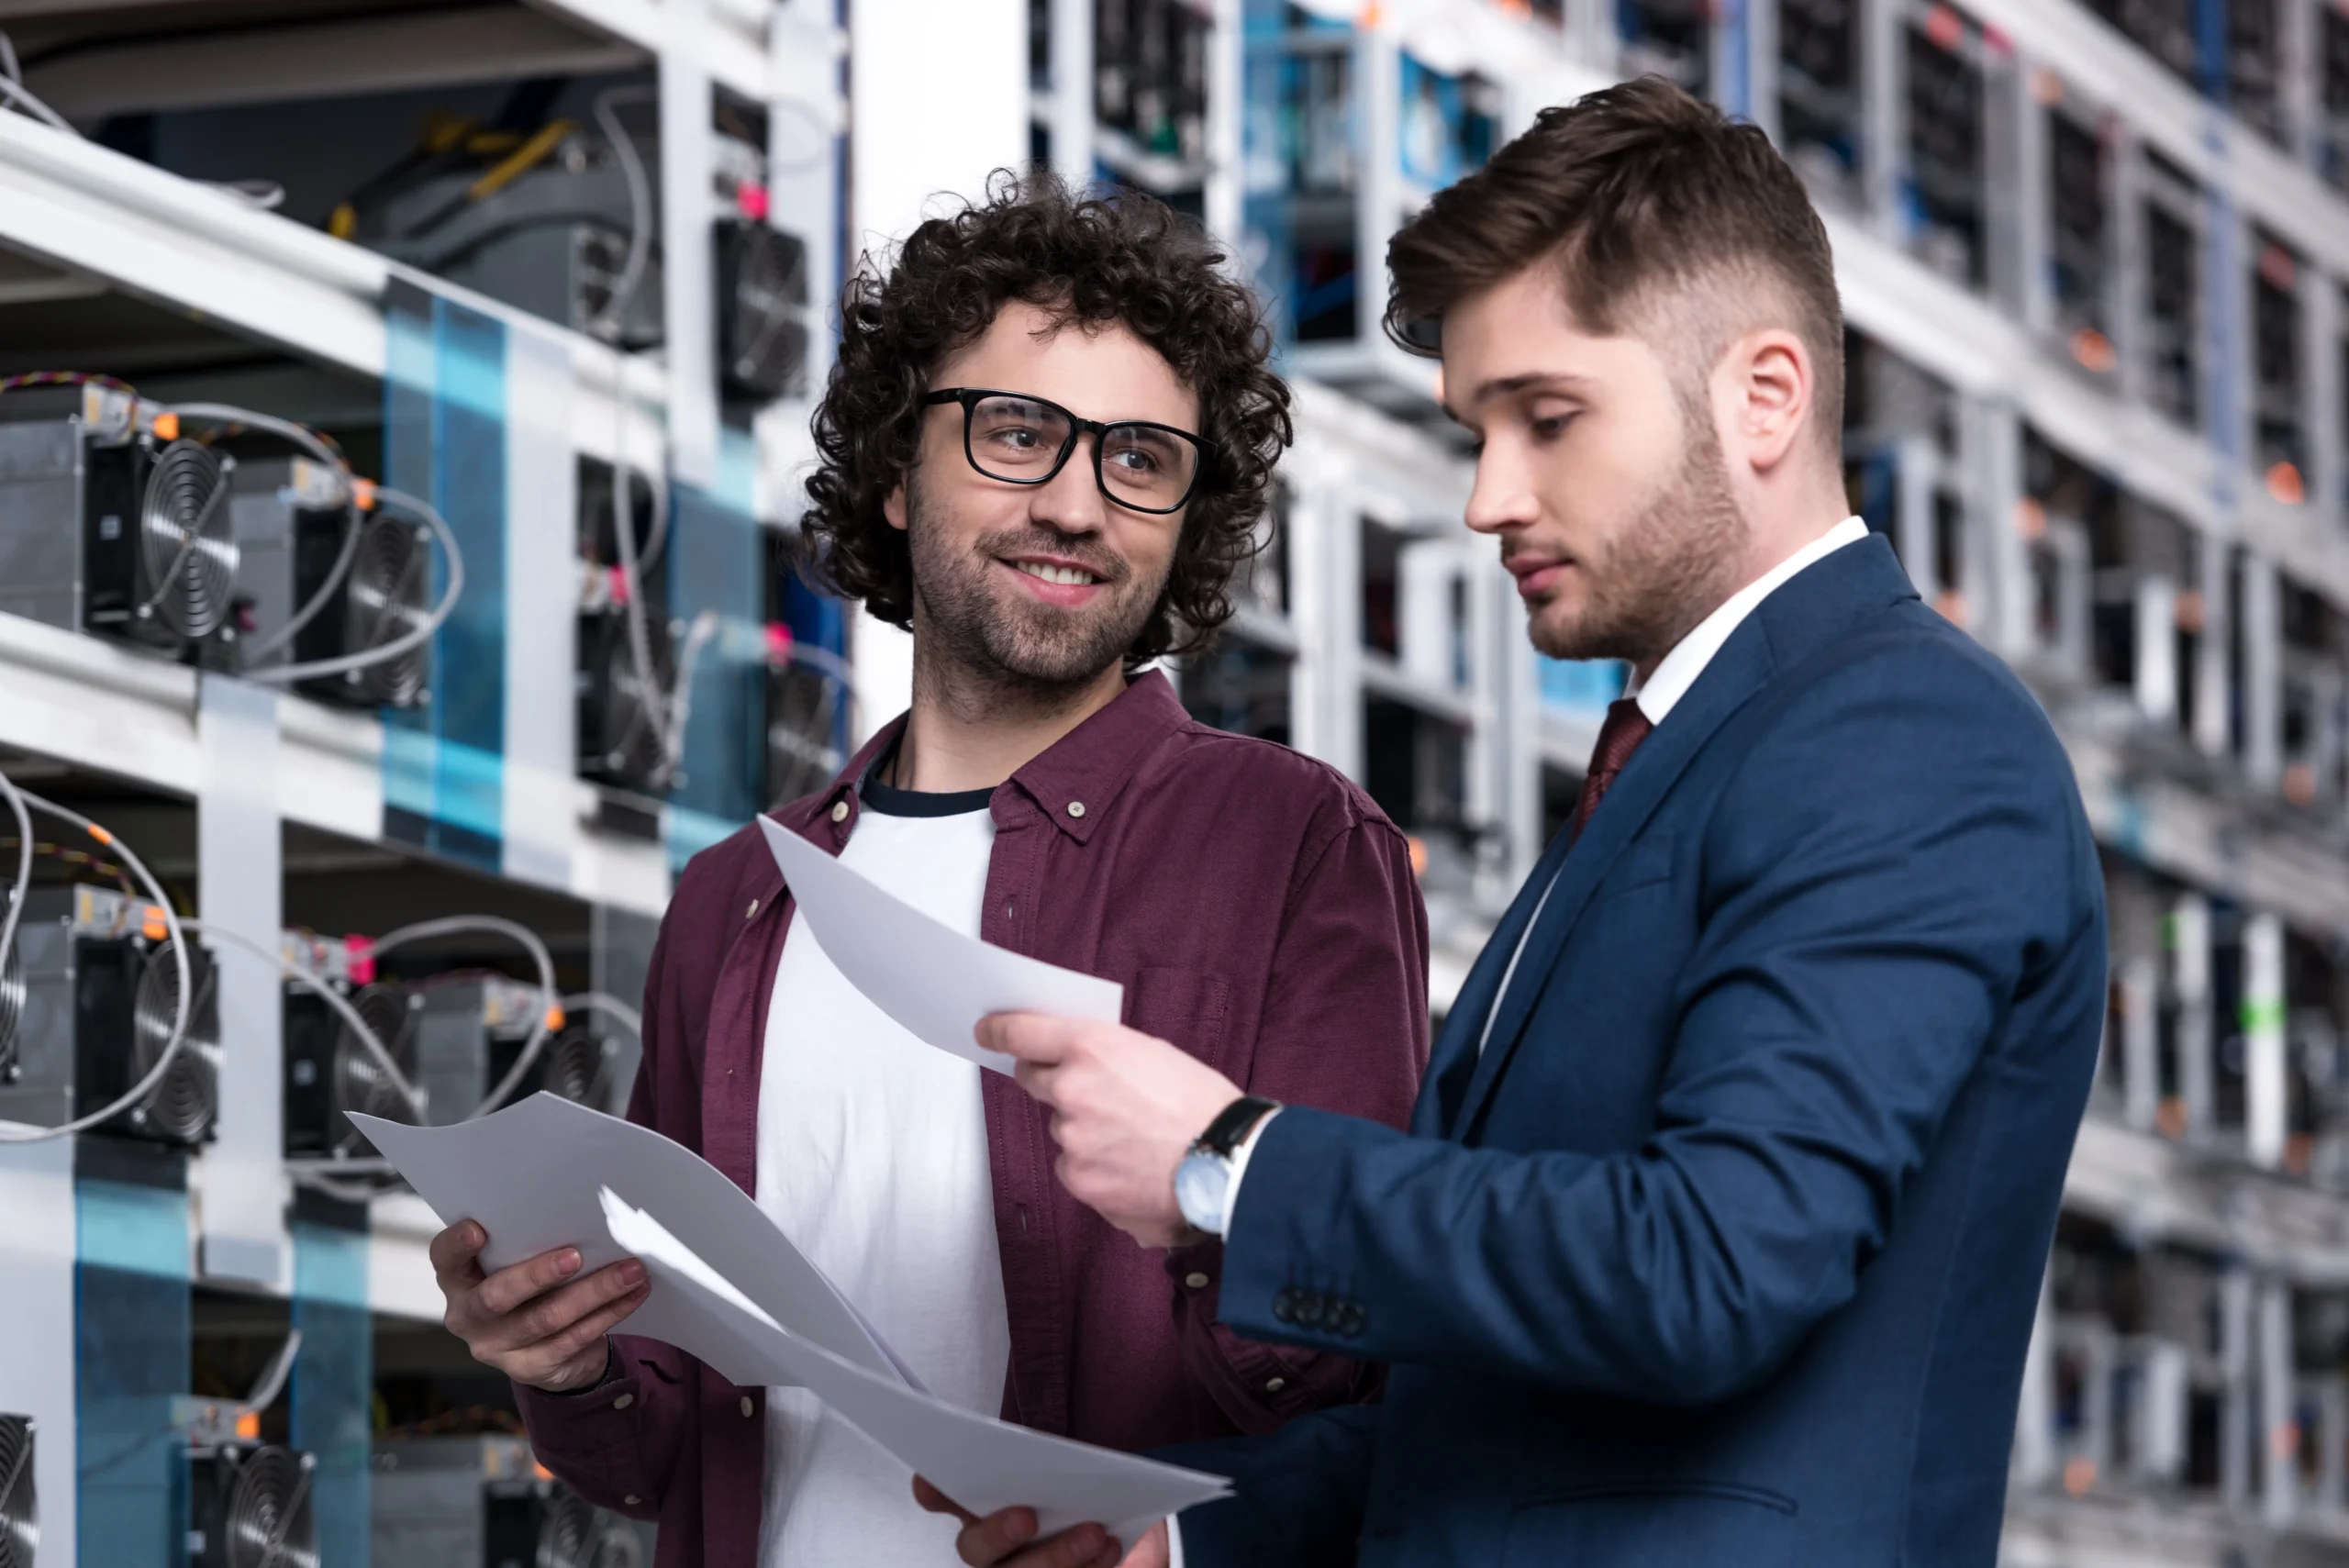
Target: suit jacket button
[
  {"x": 1350, "y": 1319},
  {"x": 1311, "y": 1311},
  {"x": 1285, "y": 1304}
]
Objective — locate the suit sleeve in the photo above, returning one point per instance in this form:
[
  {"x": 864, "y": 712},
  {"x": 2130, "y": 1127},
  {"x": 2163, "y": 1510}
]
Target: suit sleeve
[
  {"x": 616, "y": 1444},
  {"x": 1892, "y": 861},
  {"x": 1297, "y": 1496},
  {"x": 1344, "y": 1029}
]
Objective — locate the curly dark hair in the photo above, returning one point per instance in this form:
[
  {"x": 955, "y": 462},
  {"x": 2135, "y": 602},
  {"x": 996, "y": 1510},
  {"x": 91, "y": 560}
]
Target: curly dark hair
[{"x": 1124, "y": 258}]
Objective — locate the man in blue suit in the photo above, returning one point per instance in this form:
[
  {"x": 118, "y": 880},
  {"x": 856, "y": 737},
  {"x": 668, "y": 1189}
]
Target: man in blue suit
[{"x": 1716, "y": 1231}]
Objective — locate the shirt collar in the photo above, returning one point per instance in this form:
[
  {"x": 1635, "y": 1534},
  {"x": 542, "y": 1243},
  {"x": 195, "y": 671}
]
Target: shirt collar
[
  {"x": 1678, "y": 670},
  {"x": 1073, "y": 781}
]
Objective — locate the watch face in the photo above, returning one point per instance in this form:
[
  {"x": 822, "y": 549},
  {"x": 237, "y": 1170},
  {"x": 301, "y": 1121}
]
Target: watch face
[{"x": 1200, "y": 1181}]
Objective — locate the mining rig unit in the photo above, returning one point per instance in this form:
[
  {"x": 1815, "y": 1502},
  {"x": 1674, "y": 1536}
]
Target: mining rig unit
[
  {"x": 109, "y": 525},
  {"x": 294, "y": 523},
  {"x": 20, "y": 1505},
  {"x": 483, "y": 1499},
  {"x": 87, "y": 1007},
  {"x": 330, "y": 1073}
]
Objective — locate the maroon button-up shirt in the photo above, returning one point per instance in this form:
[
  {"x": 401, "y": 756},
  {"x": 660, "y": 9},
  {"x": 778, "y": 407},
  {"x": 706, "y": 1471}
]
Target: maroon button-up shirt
[{"x": 1260, "y": 912}]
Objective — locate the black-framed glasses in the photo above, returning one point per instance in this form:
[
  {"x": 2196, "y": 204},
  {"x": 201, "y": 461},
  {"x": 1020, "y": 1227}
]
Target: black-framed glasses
[{"x": 1020, "y": 439}]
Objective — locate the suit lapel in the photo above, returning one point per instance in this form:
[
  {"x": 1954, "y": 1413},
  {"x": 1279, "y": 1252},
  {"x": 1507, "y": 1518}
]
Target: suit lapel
[
  {"x": 1454, "y": 1058},
  {"x": 1736, "y": 673}
]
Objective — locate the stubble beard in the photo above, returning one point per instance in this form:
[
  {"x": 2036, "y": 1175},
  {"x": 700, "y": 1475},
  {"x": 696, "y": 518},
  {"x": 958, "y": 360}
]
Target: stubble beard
[
  {"x": 1672, "y": 567},
  {"x": 975, "y": 642}
]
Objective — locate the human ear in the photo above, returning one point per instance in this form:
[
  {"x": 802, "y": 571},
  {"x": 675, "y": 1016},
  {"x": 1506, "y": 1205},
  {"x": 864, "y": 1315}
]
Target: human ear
[
  {"x": 1769, "y": 395},
  {"x": 893, "y": 507}
]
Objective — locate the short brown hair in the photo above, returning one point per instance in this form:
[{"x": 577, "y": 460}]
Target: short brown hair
[
  {"x": 1123, "y": 258},
  {"x": 1629, "y": 188}
]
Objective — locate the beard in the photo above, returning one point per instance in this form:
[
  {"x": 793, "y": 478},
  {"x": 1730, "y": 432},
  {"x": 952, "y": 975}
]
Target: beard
[
  {"x": 1651, "y": 584},
  {"x": 976, "y": 632}
]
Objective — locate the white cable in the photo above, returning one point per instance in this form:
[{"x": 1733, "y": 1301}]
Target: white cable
[
  {"x": 415, "y": 636},
  {"x": 549, "y": 1005},
  {"x": 352, "y": 1017},
  {"x": 639, "y": 204},
  {"x": 15, "y": 94},
  {"x": 11, "y": 1133},
  {"x": 680, "y": 698},
  {"x": 24, "y": 875}
]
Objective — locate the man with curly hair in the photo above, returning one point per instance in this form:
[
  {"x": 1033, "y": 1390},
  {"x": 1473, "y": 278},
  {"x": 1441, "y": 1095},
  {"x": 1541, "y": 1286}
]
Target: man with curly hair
[{"x": 1045, "y": 449}]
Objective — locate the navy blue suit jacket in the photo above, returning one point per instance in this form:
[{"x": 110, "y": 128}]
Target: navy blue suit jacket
[{"x": 1725, "y": 1249}]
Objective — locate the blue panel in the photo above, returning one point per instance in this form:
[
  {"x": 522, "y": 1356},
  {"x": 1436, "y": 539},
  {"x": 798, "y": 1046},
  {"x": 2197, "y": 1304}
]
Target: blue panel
[
  {"x": 333, "y": 1385},
  {"x": 445, "y": 439},
  {"x": 717, "y": 562},
  {"x": 1734, "y": 91},
  {"x": 1581, "y": 685},
  {"x": 131, "y": 1343}
]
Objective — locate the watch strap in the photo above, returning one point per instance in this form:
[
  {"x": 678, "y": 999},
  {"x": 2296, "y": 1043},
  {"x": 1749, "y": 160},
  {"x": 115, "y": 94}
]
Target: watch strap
[{"x": 1224, "y": 1133}]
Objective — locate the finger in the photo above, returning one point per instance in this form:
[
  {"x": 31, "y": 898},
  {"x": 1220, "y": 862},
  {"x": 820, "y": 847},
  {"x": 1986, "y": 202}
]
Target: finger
[
  {"x": 510, "y": 1287},
  {"x": 535, "y": 1363},
  {"x": 456, "y": 1247},
  {"x": 1031, "y": 1037},
  {"x": 1037, "y": 1078},
  {"x": 558, "y": 1314},
  {"x": 938, "y": 1502},
  {"x": 997, "y": 1536}
]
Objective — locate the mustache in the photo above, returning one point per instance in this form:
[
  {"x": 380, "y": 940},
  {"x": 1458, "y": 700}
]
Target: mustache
[{"x": 1013, "y": 542}]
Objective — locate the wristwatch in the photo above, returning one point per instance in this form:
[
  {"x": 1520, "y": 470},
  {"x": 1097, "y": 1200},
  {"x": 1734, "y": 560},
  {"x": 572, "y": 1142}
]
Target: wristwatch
[{"x": 1203, "y": 1181}]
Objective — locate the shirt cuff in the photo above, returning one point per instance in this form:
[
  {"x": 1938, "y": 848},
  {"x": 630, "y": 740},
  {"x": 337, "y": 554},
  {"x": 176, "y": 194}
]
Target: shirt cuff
[
  {"x": 1174, "y": 1542},
  {"x": 1240, "y": 1158}
]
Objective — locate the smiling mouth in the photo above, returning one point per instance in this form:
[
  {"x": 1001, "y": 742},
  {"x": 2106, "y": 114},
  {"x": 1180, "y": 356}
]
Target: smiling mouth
[{"x": 1045, "y": 571}]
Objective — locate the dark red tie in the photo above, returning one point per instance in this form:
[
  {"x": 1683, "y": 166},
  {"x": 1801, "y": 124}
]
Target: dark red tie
[{"x": 1620, "y": 736}]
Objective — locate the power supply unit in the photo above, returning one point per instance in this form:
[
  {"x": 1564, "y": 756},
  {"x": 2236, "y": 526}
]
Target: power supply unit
[
  {"x": 484, "y": 1500},
  {"x": 87, "y": 1010},
  {"x": 292, "y": 525},
  {"x": 469, "y": 1032},
  {"x": 761, "y": 310},
  {"x": 107, "y": 526},
  {"x": 20, "y": 1505},
  {"x": 249, "y": 1507}
]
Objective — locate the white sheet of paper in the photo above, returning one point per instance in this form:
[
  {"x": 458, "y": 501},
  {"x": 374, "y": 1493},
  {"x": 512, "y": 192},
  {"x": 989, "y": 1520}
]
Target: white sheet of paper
[
  {"x": 531, "y": 1174},
  {"x": 933, "y": 980},
  {"x": 981, "y": 1462}
]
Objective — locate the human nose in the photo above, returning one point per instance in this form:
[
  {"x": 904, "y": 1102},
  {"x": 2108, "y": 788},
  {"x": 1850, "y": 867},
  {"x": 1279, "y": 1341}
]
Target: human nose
[
  {"x": 1071, "y": 500},
  {"x": 1501, "y": 498}
]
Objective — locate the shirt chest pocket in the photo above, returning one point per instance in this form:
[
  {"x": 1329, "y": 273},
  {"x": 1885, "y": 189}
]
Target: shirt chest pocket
[{"x": 1191, "y": 1008}]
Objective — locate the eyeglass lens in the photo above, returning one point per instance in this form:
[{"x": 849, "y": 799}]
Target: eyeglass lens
[{"x": 1019, "y": 439}]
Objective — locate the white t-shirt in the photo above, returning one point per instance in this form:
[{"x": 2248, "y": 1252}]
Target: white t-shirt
[{"x": 872, "y": 1158}]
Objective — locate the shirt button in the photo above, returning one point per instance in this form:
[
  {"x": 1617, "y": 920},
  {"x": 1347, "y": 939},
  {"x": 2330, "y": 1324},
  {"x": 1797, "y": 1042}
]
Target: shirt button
[
  {"x": 1077, "y": 808},
  {"x": 1195, "y": 1281},
  {"x": 752, "y": 910},
  {"x": 624, "y": 1401},
  {"x": 840, "y": 811},
  {"x": 1275, "y": 1384},
  {"x": 746, "y": 1404},
  {"x": 631, "y": 1499}
]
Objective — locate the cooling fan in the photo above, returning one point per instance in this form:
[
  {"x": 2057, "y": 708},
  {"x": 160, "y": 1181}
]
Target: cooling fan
[
  {"x": 252, "y": 1510},
  {"x": 19, "y": 1510},
  {"x": 360, "y": 1083},
  {"x": 387, "y": 595},
  {"x": 183, "y": 1105},
  {"x": 574, "y": 1533},
  {"x": 187, "y": 545},
  {"x": 12, "y": 1012},
  {"x": 619, "y": 739},
  {"x": 762, "y": 325},
  {"x": 577, "y": 1066}
]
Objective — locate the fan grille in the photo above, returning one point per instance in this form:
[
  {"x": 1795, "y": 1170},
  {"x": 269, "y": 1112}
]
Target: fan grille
[
  {"x": 389, "y": 596},
  {"x": 575, "y": 1067},
  {"x": 12, "y": 1008},
  {"x": 269, "y": 1524},
  {"x": 187, "y": 545},
  {"x": 360, "y": 1083},
  {"x": 574, "y": 1533},
  {"x": 19, "y": 1509},
  {"x": 632, "y": 742},
  {"x": 181, "y": 1105},
  {"x": 766, "y": 339}
]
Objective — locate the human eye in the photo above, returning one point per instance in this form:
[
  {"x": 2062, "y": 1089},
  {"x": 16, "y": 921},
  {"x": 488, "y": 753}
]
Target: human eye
[{"x": 1548, "y": 426}]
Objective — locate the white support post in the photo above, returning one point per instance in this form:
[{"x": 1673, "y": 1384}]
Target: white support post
[
  {"x": 2263, "y": 674},
  {"x": 1884, "y": 116},
  {"x": 239, "y": 855},
  {"x": 2237, "y": 1430},
  {"x": 1072, "y": 89},
  {"x": 2213, "y": 672},
  {"x": 2280, "y": 1436},
  {"x": 1226, "y": 127},
  {"x": 2190, "y": 939},
  {"x": 2033, "y": 1461},
  {"x": 37, "y": 1325},
  {"x": 542, "y": 611},
  {"x": 2140, "y": 1045},
  {"x": 688, "y": 212}
]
